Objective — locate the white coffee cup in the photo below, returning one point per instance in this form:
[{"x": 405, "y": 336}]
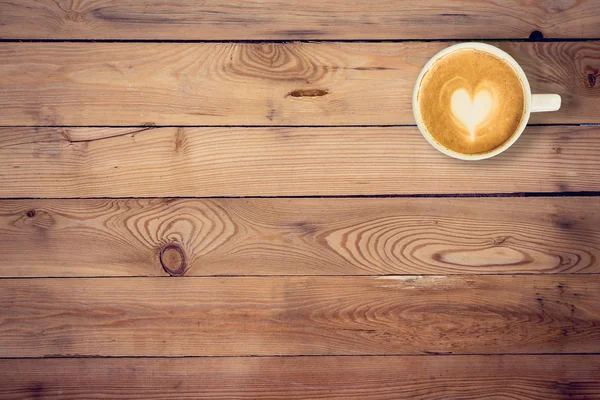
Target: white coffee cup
[{"x": 533, "y": 103}]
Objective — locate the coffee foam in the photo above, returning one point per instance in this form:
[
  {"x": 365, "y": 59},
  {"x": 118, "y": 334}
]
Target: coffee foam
[
  {"x": 470, "y": 109},
  {"x": 471, "y": 101}
]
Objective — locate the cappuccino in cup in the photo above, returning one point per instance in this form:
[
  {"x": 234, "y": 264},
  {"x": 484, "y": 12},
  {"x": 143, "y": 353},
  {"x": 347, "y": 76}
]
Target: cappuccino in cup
[{"x": 472, "y": 101}]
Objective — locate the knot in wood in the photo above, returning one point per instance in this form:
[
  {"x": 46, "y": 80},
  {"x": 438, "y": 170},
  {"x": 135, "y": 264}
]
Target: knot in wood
[{"x": 172, "y": 259}]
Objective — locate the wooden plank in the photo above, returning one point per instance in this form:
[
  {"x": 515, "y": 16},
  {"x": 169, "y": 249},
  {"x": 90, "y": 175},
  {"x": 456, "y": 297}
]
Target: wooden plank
[
  {"x": 172, "y": 162},
  {"x": 296, "y": 19},
  {"x": 299, "y": 236},
  {"x": 126, "y": 84},
  {"x": 375, "y": 378},
  {"x": 299, "y": 316}
]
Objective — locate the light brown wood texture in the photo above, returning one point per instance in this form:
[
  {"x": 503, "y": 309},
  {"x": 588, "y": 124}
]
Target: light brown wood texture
[
  {"x": 195, "y": 206},
  {"x": 145, "y": 162},
  {"x": 127, "y": 84},
  {"x": 296, "y": 19},
  {"x": 208, "y": 237},
  {"x": 372, "y": 378},
  {"x": 299, "y": 316}
]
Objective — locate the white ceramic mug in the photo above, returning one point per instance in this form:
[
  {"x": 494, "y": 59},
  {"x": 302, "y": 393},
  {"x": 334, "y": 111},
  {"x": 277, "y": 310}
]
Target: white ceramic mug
[{"x": 533, "y": 103}]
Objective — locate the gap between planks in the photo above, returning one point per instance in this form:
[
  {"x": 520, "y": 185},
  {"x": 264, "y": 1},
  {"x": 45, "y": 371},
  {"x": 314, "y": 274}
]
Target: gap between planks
[
  {"x": 317, "y": 356},
  {"x": 349, "y": 196},
  {"x": 284, "y": 41}
]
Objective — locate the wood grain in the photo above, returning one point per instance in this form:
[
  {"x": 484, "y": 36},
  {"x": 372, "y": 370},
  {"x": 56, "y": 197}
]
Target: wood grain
[
  {"x": 161, "y": 237},
  {"x": 148, "y": 84},
  {"x": 373, "y": 378},
  {"x": 299, "y": 316},
  {"x": 296, "y": 19},
  {"x": 172, "y": 162}
]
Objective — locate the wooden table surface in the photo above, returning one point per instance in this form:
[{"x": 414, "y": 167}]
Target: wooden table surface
[{"x": 230, "y": 199}]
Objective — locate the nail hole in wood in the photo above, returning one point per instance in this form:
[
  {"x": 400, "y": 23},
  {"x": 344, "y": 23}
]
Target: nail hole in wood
[
  {"x": 31, "y": 213},
  {"x": 172, "y": 259},
  {"x": 536, "y": 35}
]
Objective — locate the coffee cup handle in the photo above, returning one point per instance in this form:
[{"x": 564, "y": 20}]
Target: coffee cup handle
[{"x": 545, "y": 102}]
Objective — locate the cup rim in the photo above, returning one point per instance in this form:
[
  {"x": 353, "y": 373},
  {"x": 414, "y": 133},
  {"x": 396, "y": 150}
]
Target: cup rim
[{"x": 494, "y": 51}]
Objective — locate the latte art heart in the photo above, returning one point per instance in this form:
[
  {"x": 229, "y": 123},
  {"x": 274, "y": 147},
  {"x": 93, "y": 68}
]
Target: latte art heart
[{"x": 471, "y": 111}]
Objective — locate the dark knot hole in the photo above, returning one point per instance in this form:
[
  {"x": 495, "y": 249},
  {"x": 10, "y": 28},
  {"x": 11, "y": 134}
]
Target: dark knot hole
[{"x": 536, "y": 35}]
